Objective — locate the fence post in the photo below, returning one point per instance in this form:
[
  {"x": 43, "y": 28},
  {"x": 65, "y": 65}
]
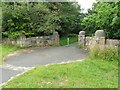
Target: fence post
[{"x": 68, "y": 41}]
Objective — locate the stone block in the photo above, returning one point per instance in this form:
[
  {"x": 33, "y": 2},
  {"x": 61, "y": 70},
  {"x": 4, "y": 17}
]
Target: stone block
[
  {"x": 100, "y": 33},
  {"x": 82, "y": 33}
]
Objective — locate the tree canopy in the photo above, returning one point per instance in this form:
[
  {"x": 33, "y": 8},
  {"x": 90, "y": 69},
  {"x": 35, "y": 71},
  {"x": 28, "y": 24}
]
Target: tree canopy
[
  {"x": 106, "y": 16},
  {"x": 43, "y": 18}
]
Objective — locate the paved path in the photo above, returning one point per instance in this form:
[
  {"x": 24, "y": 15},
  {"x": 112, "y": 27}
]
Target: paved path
[{"x": 40, "y": 56}]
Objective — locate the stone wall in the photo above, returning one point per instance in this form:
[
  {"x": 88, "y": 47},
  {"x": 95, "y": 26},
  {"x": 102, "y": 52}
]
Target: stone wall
[
  {"x": 35, "y": 41},
  {"x": 98, "y": 38}
]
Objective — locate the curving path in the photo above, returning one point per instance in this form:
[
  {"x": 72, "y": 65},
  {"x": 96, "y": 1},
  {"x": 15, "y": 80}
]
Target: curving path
[{"x": 40, "y": 56}]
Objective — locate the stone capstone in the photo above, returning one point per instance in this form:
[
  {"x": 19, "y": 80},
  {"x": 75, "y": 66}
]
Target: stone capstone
[{"x": 100, "y": 33}]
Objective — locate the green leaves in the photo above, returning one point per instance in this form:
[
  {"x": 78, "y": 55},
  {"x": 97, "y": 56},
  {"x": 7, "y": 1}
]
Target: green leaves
[
  {"x": 35, "y": 18},
  {"x": 104, "y": 15}
]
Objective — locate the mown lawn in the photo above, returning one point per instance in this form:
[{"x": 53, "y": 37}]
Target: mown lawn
[
  {"x": 85, "y": 74},
  {"x": 72, "y": 39},
  {"x": 6, "y": 49}
]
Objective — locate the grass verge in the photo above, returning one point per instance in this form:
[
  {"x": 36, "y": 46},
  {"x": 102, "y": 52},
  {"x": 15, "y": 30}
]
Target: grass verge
[
  {"x": 86, "y": 74},
  {"x": 6, "y": 49}
]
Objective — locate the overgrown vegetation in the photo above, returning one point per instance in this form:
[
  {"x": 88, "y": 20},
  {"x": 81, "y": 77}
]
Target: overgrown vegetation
[
  {"x": 104, "y": 53},
  {"x": 86, "y": 74}
]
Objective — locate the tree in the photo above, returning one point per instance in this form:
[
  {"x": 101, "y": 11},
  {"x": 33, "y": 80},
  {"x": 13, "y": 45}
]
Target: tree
[
  {"x": 104, "y": 15},
  {"x": 34, "y": 19}
]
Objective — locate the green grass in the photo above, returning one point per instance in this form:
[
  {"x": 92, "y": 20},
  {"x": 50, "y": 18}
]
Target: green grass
[
  {"x": 104, "y": 53},
  {"x": 6, "y": 49},
  {"x": 86, "y": 74},
  {"x": 63, "y": 40}
]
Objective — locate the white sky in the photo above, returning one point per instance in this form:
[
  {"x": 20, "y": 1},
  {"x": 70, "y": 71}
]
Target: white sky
[{"x": 86, "y": 4}]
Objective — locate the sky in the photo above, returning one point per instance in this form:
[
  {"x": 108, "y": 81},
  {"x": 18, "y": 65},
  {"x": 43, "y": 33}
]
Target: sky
[{"x": 86, "y": 4}]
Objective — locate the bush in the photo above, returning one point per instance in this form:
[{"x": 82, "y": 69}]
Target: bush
[{"x": 103, "y": 52}]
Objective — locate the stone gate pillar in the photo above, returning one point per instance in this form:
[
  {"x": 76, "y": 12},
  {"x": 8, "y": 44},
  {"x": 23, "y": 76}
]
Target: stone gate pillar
[
  {"x": 81, "y": 39},
  {"x": 100, "y": 37},
  {"x": 55, "y": 38}
]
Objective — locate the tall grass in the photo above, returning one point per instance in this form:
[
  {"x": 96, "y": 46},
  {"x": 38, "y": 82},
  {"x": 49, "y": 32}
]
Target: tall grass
[{"x": 103, "y": 52}]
